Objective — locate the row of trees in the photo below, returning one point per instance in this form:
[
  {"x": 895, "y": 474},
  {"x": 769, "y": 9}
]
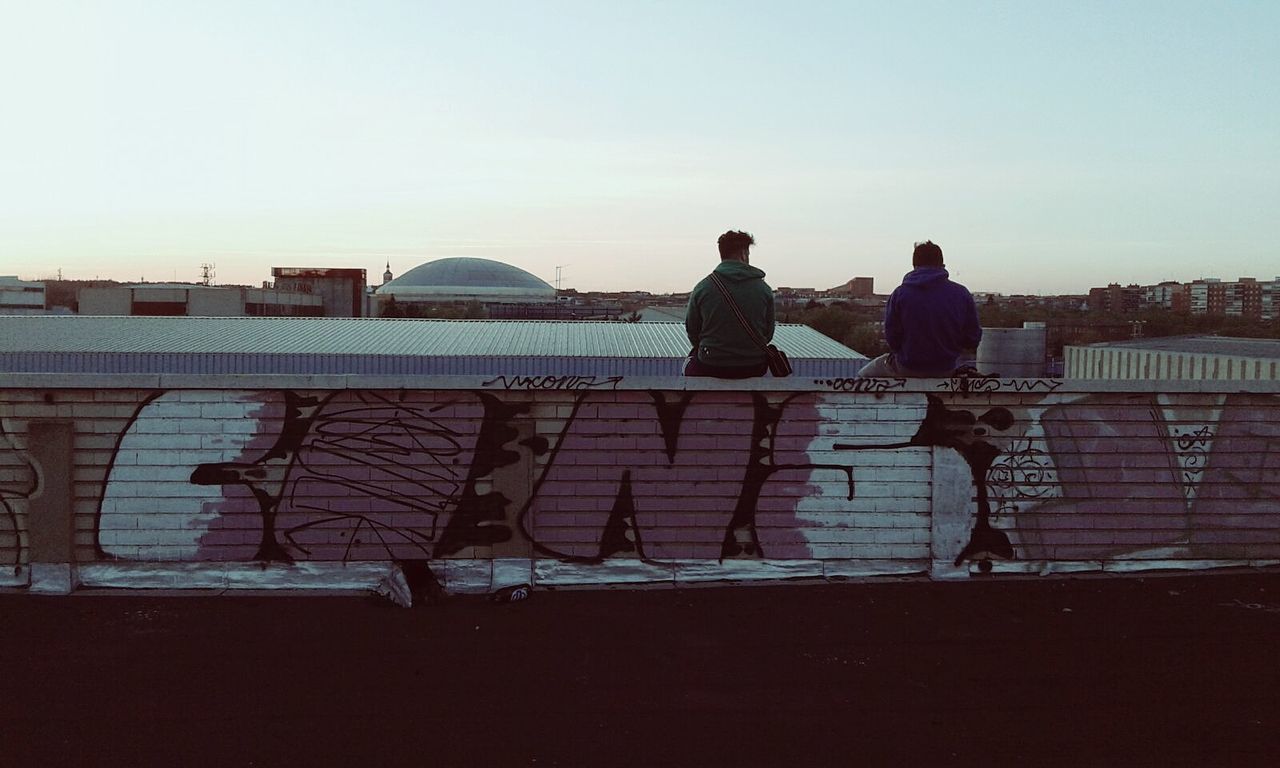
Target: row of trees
[{"x": 854, "y": 326}]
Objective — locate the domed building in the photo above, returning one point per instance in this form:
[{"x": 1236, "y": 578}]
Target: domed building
[{"x": 503, "y": 290}]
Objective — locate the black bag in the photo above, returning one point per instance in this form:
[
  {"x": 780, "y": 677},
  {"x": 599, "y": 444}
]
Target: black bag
[{"x": 779, "y": 365}]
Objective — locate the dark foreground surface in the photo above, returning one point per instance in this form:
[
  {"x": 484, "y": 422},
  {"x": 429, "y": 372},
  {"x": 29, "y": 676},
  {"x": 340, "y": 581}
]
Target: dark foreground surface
[{"x": 1151, "y": 671}]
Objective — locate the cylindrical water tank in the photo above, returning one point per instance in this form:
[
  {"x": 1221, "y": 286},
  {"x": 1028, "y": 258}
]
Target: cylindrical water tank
[{"x": 1014, "y": 352}]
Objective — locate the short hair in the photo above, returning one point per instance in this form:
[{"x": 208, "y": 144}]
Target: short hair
[
  {"x": 926, "y": 254},
  {"x": 733, "y": 242}
]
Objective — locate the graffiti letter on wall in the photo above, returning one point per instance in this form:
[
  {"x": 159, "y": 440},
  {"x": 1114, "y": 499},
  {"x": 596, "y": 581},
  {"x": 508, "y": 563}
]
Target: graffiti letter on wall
[
  {"x": 1236, "y": 512},
  {"x": 353, "y": 476},
  {"x": 646, "y": 474},
  {"x": 17, "y": 481}
]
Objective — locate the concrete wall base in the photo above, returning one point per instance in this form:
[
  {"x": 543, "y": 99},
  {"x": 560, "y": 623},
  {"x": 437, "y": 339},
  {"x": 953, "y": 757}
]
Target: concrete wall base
[{"x": 52, "y": 578}]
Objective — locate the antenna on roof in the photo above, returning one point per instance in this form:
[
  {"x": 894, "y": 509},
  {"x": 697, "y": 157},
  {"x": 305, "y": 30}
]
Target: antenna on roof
[{"x": 207, "y": 273}]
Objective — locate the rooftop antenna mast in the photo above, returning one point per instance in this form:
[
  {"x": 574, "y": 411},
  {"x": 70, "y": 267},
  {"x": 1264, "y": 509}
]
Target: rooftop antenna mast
[
  {"x": 207, "y": 273},
  {"x": 559, "y": 268}
]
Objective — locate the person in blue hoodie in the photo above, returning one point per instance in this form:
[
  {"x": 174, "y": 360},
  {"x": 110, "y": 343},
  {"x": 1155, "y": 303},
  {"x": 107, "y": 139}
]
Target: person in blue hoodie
[
  {"x": 721, "y": 346},
  {"x": 928, "y": 322}
]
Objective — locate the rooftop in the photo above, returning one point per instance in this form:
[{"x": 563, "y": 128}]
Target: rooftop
[
  {"x": 311, "y": 345},
  {"x": 1203, "y": 345}
]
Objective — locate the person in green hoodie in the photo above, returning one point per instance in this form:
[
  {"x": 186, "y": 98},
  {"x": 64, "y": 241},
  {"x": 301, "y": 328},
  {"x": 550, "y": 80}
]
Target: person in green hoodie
[{"x": 721, "y": 346}]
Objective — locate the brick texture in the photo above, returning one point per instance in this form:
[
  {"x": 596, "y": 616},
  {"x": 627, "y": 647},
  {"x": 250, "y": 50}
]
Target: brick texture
[{"x": 594, "y": 476}]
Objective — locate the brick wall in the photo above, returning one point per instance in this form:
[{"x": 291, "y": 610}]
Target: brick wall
[{"x": 637, "y": 481}]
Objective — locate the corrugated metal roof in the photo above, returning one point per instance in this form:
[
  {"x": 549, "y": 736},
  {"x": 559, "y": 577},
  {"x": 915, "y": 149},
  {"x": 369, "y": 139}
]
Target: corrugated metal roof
[
  {"x": 1204, "y": 345},
  {"x": 264, "y": 345}
]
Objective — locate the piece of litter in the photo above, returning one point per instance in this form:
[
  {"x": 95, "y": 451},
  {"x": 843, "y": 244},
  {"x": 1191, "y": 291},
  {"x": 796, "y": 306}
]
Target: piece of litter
[{"x": 513, "y": 594}]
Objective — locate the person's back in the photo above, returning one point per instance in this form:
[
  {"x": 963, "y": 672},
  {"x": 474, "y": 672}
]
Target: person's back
[
  {"x": 929, "y": 321},
  {"x": 721, "y": 346}
]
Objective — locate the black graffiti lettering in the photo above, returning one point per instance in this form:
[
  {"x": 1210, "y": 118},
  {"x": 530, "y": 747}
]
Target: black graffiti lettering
[
  {"x": 670, "y": 416},
  {"x": 115, "y": 453},
  {"x": 522, "y": 519},
  {"x": 18, "y": 480},
  {"x": 957, "y": 429},
  {"x": 413, "y": 453},
  {"x": 480, "y": 518},
  {"x": 986, "y": 384},
  {"x": 622, "y": 521},
  {"x": 760, "y": 467},
  {"x": 741, "y": 537},
  {"x": 299, "y": 412},
  {"x": 1195, "y": 439},
  {"x": 567, "y": 382},
  {"x": 338, "y": 473},
  {"x": 1020, "y": 474},
  {"x": 1193, "y": 449},
  {"x": 861, "y": 385},
  {"x": 269, "y": 470}
]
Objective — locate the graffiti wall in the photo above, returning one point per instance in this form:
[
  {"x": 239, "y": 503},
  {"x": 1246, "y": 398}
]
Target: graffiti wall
[
  {"x": 595, "y": 474},
  {"x": 17, "y": 483}
]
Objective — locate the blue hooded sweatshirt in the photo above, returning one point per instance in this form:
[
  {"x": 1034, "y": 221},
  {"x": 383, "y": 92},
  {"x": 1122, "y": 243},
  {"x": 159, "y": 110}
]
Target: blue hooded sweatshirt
[{"x": 929, "y": 321}]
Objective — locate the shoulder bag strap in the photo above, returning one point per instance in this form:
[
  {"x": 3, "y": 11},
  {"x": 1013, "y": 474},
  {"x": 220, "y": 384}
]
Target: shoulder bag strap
[{"x": 728, "y": 297}]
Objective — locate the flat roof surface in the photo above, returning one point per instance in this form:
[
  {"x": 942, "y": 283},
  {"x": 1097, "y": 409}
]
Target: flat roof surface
[
  {"x": 1202, "y": 345},
  {"x": 222, "y": 345}
]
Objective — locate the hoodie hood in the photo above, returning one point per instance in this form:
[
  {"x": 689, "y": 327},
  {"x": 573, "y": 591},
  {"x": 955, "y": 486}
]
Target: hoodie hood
[
  {"x": 925, "y": 277},
  {"x": 736, "y": 271}
]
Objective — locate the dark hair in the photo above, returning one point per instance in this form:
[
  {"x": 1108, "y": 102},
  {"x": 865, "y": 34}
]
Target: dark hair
[
  {"x": 733, "y": 242},
  {"x": 926, "y": 254}
]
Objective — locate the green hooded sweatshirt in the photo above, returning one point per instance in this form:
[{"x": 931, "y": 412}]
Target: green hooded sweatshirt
[{"x": 714, "y": 329}]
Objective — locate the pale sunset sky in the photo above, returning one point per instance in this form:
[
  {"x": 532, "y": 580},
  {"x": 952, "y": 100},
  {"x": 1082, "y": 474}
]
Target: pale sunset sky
[{"x": 1046, "y": 146}]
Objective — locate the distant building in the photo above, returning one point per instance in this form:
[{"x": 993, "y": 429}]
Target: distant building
[
  {"x": 663, "y": 314},
  {"x": 341, "y": 291},
  {"x": 788, "y": 295},
  {"x": 1062, "y": 303},
  {"x": 1176, "y": 357},
  {"x": 856, "y": 288},
  {"x": 1170, "y": 295},
  {"x": 1245, "y": 297},
  {"x": 20, "y": 297},
  {"x": 182, "y": 299},
  {"x": 1207, "y": 296},
  {"x": 1116, "y": 299},
  {"x": 504, "y": 291},
  {"x": 570, "y": 305}
]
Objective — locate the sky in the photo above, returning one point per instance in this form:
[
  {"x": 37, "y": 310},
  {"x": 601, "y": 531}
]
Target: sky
[{"x": 1046, "y": 146}]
